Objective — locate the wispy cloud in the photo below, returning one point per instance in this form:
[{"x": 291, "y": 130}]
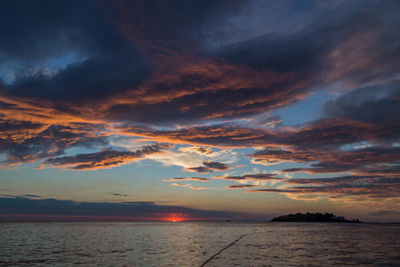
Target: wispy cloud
[
  {"x": 241, "y": 186},
  {"x": 106, "y": 158},
  {"x": 191, "y": 186}
]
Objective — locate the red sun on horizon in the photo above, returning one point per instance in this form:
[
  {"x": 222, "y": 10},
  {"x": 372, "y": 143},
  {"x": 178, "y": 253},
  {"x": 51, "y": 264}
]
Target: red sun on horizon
[{"x": 174, "y": 218}]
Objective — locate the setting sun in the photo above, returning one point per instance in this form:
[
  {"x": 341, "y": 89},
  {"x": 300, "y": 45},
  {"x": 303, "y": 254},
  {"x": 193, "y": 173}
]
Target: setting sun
[{"x": 174, "y": 218}]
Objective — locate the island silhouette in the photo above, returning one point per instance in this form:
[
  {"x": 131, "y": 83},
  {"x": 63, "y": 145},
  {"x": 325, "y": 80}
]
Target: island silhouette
[{"x": 313, "y": 217}]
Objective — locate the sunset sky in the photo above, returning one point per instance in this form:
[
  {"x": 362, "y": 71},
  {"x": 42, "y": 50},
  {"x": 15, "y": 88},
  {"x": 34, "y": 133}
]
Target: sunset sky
[{"x": 199, "y": 109}]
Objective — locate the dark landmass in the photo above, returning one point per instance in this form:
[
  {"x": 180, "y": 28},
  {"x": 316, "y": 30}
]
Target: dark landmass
[{"x": 313, "y": 217}]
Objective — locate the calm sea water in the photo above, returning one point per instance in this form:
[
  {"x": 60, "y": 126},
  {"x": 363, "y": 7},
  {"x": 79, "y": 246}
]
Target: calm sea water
[{"x": 192, "y": 244}]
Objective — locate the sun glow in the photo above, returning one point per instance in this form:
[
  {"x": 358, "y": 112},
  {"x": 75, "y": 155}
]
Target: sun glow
[{"x": 174, "y": 218}]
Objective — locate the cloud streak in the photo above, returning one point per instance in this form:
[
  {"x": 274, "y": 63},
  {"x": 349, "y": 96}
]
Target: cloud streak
[
  {"x": 28, "y": 209},
  {"x": 190, "y": 186},
  {"x": 360, "y": 188},
  {"x": 106, "y": 158},
  {"x": 241, "y": 186}
]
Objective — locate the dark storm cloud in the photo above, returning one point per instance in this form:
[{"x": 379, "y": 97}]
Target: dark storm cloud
[
  {"x": 119, "y": 42},
  {"x": 134, "y": 55},
  {"x": 176, "y": 19},
  {"x": 358, "y": 105},
  {"x": 318, "y": 52},
  {"x": 22, "y": 208},
  {"x": 43, "y": 31},
  {"x": 95, "y": 77},
  {"x": 49, "y": 27},
  {"x": 107, "y": 158},
  {"x": 9, "y": 126}
]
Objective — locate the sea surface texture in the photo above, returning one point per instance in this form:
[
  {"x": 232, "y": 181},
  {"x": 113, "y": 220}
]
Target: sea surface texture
[{"x": 195, "y": 244}]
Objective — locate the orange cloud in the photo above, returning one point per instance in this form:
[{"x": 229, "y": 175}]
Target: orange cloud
[{"x": 106, "y": 158}]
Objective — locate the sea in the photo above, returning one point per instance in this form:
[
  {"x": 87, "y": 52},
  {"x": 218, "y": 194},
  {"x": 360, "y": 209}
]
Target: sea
[{"x": 198, "y": 244}]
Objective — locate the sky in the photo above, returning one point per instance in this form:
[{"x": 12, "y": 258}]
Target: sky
[{"x": 199, "y": 110}]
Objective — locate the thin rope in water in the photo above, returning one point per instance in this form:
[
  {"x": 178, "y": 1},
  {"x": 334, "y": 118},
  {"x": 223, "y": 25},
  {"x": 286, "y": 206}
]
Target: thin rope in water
[{"x": 219, "y": 252}]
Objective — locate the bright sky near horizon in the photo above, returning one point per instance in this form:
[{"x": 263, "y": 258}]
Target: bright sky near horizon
[{"x": 199, "y": 109}]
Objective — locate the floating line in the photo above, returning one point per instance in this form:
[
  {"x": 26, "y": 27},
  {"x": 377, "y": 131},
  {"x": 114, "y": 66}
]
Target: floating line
[{"x": 219, "y": 252}]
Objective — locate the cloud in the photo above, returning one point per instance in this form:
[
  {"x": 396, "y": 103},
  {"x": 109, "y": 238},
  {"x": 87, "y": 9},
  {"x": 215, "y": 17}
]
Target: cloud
[
  {"x": 191, "y": 186},
  {"x": 245, "y": 180},
  {"x": 358, "y": 188},
  {"x": 197, "y": 149},
  {"x": 106, "y": 158},
  {"x": 186, "y": 179},
  {"x": 209, "y": 166},
  {"x": 241, "y": 186},
  {"x": 22, "y": 208},
  {"x": 41, "y": 142},
  {"x": 19, "y": 130},
  {"x": 329, "y": 144},
  {"x": 111, "y": 64},
  {"x": 330, "y": 147},
  {"x": 357, "y": 104},
  {"x": 245, "y": 177},
  {"x": 221, "y": 135},
  {"x": 267, "y": 121},
  {"x": 31, "y": 196},
  {"x": 216, "y": 165},
  {"x": 200, "y": 169},
  {"x": 119, "y": 195},
  {"x": 261, "y": 177},
  {"x": 334, "y": 161},
  {"x": 321, "y": 133},
  {"x": 196, "y": 159},
  {"x": 127, "y": 75}
]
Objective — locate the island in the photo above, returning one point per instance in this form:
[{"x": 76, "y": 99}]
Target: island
[{"x": 313, "y": 217}]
